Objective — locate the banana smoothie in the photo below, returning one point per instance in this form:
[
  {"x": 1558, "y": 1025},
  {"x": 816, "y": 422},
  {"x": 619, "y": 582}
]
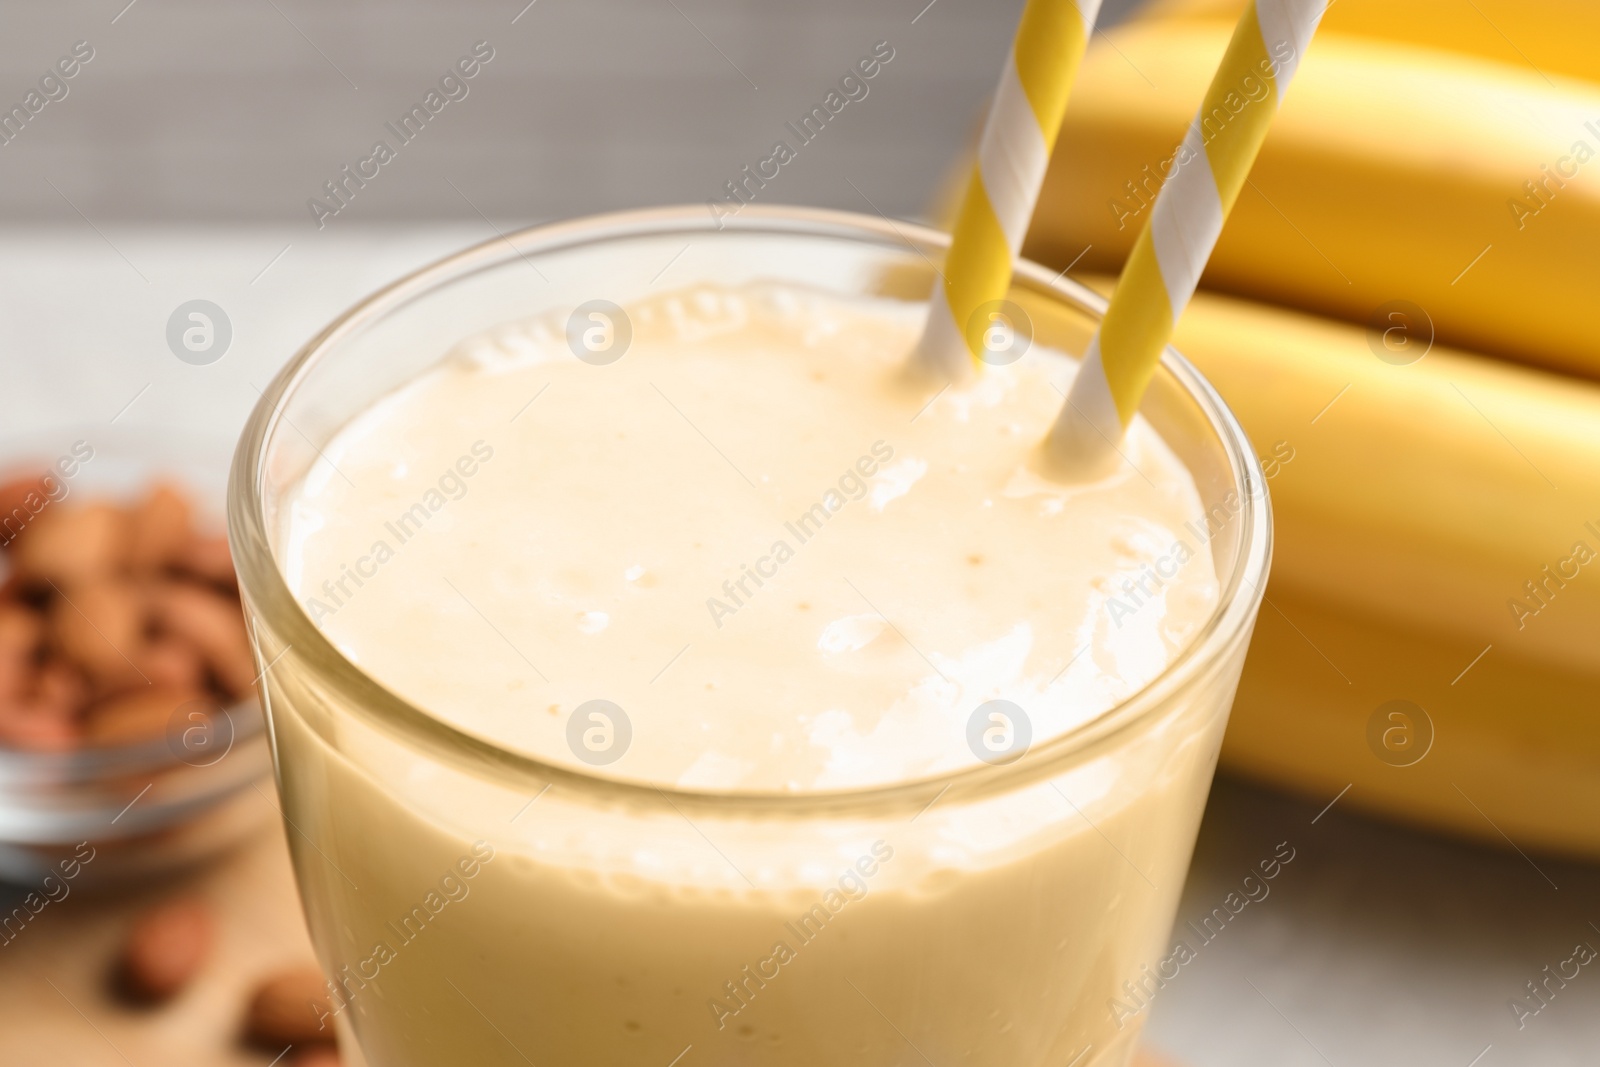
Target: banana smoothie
[{"x": 716, "y": 554}]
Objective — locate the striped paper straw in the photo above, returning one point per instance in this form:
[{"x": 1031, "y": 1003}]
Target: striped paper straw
[
  {"x": 1164, "y": 268},
  {"x": 1021, "y": 129}
]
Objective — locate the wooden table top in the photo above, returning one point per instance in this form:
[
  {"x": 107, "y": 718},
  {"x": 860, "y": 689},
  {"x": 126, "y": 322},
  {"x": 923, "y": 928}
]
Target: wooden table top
[{"x": 57, "y": 1001}]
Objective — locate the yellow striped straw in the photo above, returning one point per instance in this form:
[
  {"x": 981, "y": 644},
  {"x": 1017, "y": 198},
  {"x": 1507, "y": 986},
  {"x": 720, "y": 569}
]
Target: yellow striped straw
[
  {"x": 1021, "y": 129},
  {"x": 1164, "y": 267}
]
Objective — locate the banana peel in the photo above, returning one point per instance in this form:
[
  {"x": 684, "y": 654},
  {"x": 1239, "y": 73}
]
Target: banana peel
[
  {"x": 1550, "y": 37},
  {"x": 1439, "y": 545},
  {"x": 1392, "y": 174}
]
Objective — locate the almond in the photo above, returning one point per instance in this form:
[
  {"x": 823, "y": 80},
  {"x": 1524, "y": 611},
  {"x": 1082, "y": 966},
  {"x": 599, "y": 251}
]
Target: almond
[
  {"x": 209, "y": 559},
  {"x": 21, "y": 631},
  {"x": 37, "y": 729},
  {"x": 39, "y": 707},
  {"x": 21, "y": 500},
  {"x": 159, "y": 528},
  {"x": 59, "y": 689},
  {"x": 290, "y": 1008},
  {"x": 112, "y": 618},
  {"x": 167, "y": 661},
  {"x": 21, "y": 628},
  {"x": 167, "y": 946},
  {"x": 67, "y": 546},
  {"x": 98, "y": 625},
  {"x": 213, "y": 624}
]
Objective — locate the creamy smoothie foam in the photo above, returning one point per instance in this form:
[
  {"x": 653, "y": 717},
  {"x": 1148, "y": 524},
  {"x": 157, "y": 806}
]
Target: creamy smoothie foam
[{"x": 780, "y": 569}]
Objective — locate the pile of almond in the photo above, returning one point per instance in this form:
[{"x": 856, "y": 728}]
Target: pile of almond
[{"x": 112, "y": 618}]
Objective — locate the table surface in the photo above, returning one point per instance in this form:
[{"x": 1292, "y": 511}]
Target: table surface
[
  {"x": 57, "y": 1002},
  {"x": 1376, "y": 945}
]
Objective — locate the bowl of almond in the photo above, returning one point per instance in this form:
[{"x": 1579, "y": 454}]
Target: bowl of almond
[{"x": 129, "y": 724}]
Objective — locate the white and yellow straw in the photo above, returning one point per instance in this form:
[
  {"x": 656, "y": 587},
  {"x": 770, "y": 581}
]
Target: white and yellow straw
[
  {"x": 1164, "y": 267},
  {"x": 1020, "y": 132}
]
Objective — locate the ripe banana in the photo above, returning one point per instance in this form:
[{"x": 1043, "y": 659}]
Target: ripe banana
[
  {"x": 1464, "y": 186},
  {"x": 1550, "y": 36},
  {"x": 1439, "y": 543}
]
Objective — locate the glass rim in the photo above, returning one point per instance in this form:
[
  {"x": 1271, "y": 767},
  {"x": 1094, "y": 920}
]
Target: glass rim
[{"x": 264, "y": 588}]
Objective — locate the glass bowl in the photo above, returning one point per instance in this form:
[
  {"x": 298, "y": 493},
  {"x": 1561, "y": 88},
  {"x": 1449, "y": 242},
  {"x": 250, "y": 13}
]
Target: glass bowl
[{"x": 147, "y": 808}]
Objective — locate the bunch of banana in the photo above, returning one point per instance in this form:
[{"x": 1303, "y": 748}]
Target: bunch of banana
[
  {"x": 1431, "y": 636},
  {"x": 1467, "y": 187},
  {"x": 1438, "y": 545},
  {"x": 1550, "y": 36}
]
